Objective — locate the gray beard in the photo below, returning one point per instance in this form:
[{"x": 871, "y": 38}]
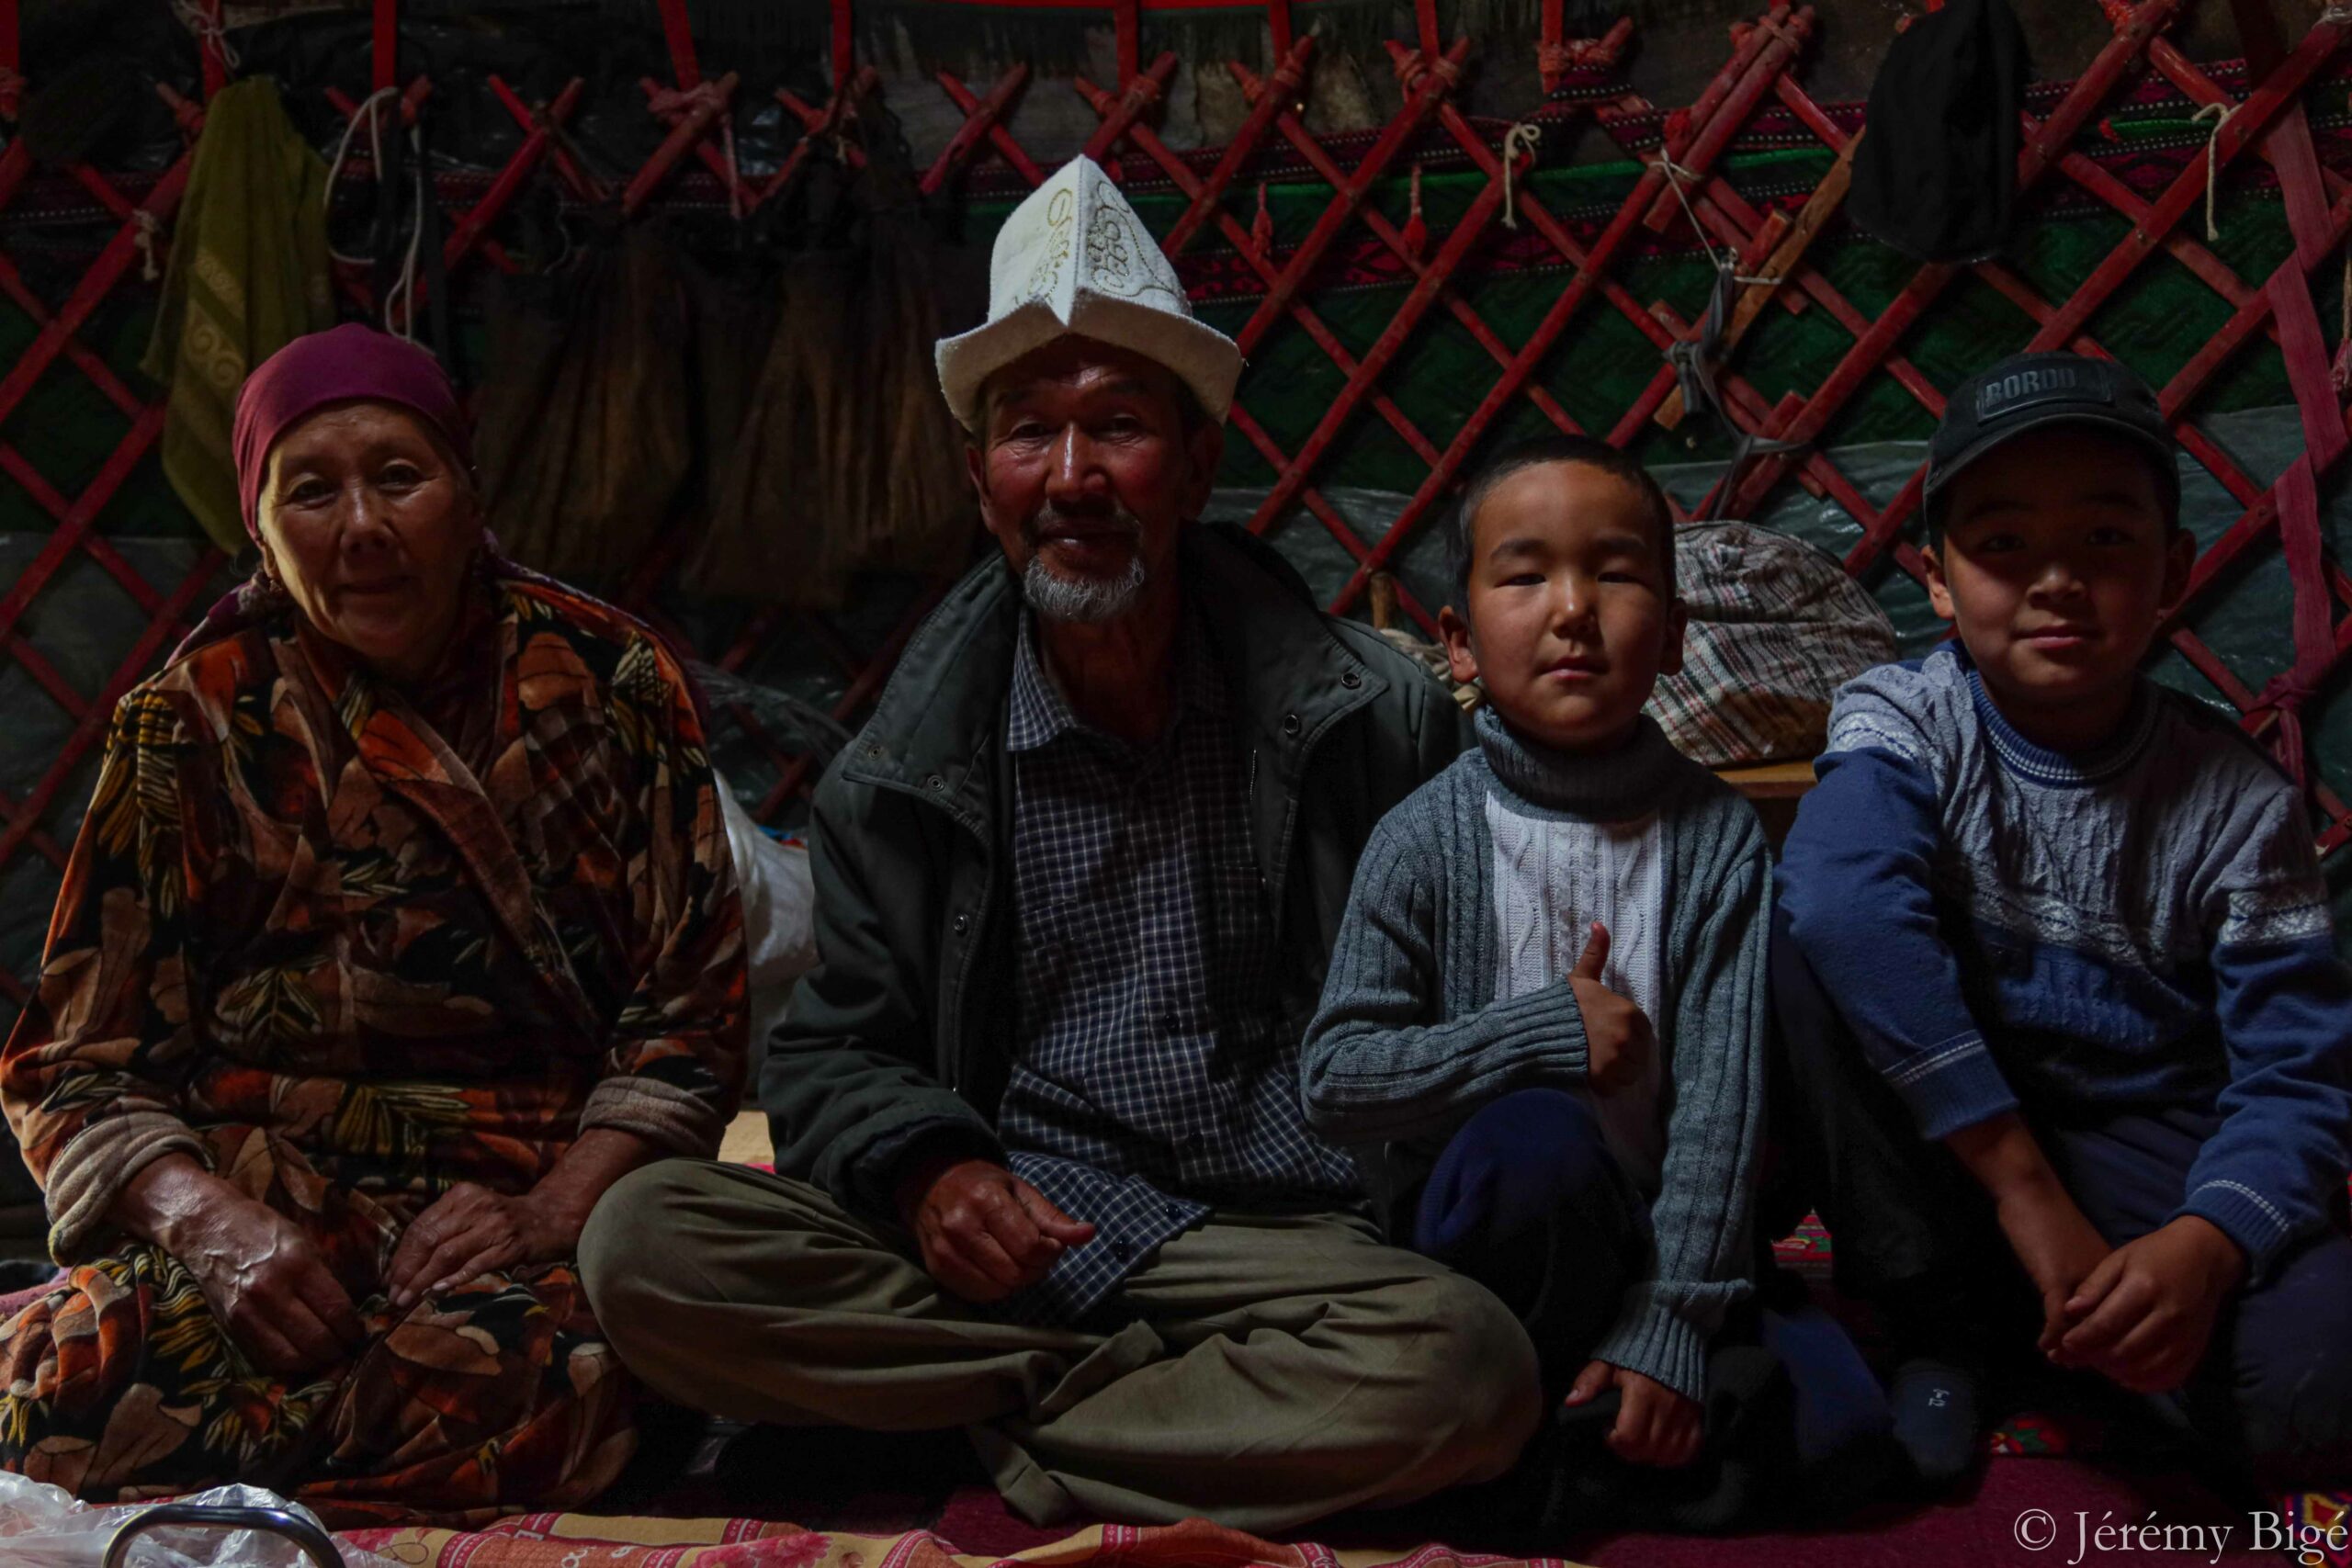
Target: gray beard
[{"x": 1082, "y": 600}]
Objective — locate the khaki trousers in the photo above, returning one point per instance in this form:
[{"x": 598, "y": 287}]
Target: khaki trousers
[{"x": 1277, "y": 1368}]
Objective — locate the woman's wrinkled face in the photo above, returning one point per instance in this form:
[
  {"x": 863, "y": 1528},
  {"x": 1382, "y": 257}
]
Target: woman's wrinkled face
[{"x": 370, "y": 525}]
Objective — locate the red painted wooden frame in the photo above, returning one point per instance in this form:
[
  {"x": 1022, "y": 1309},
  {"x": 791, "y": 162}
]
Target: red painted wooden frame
[{"x": 1759, "y": 74}]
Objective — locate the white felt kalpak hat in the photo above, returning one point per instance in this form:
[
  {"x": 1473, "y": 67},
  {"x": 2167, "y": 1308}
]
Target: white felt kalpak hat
[{"x": 1075, "y": 258}]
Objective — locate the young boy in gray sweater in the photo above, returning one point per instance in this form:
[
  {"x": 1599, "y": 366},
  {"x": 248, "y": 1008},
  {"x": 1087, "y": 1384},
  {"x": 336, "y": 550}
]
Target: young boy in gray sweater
[{"x": 1545, "y": 1023}]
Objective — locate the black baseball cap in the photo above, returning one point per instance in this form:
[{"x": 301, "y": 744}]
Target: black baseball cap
[{"x": 2034, "y": 391}]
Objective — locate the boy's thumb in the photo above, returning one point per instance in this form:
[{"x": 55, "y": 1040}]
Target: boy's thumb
[
  {"x": 1589, "y": 1384},
  {"x": 1595, "y": 954}
]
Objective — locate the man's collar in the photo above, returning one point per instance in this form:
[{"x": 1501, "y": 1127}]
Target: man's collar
[
  {"x": 1284, "y": 670},
  {"x": 1040, "y": 715}
]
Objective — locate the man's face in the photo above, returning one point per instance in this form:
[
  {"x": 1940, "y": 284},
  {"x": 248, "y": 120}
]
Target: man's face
[
  {"x": 1569, "y": 618},
  {"x": 1085, "y": 473},
  {"x": 2056, "y": 564}
]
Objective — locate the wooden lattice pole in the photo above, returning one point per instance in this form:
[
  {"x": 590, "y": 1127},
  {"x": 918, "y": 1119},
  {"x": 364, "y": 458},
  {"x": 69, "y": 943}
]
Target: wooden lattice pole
[
  {"x": 2043, "y": 147},
  {"x": 983, "y": 123},
  {"x": 1761, "y": 55}
]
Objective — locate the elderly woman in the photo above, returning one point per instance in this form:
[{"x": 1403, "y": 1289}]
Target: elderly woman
[{"x": 401, "y": 925}]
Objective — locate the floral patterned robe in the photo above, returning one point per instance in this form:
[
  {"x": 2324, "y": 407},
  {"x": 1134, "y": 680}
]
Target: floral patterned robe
[{"x": 347, "y": 957}]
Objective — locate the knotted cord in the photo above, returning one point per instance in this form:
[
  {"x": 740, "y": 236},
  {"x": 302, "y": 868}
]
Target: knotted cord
[
  {"x": 2220, "y": 115},
  {"x": 1521, "y": 138}
]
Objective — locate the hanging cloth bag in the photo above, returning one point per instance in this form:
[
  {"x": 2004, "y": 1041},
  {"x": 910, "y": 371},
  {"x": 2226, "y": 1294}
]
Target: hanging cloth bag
[
  {"x": 248, "y": 274},
  {"x": 1936, "y": 174},
  {"x": 583, "y": 431},
  {"x": 847, "y": 457}
]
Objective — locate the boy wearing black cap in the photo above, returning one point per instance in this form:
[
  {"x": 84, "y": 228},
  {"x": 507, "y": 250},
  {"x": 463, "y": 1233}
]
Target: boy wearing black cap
[{"x": 2067, "y": 1027}]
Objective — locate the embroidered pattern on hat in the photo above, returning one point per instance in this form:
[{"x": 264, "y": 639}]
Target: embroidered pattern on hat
[
  {"x": 1057, "y": 250},
  {"x": 1112, "y": 259}
]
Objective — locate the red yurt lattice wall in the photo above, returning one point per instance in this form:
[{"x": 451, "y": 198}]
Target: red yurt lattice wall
[{"x": 2264, "y": 127}]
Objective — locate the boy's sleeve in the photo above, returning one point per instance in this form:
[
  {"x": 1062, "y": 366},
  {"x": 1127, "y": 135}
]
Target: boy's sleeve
[
  {"x": 1854, "y": 882},
  {"x": 2283, "y": 998},
  {"x": 1374, "y": 1065},
  {"x": 1701, "y": 1258}
]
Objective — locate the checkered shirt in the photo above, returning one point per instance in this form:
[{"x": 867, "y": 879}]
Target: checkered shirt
[{"x": 1153, "y": 1076}]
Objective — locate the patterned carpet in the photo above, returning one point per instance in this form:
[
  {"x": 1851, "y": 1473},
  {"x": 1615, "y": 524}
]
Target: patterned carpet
[
  {"x": 574, "y": 1541},
  {"x": 1980, "y": 1528},
  {"x": 813, "y": 1500}
]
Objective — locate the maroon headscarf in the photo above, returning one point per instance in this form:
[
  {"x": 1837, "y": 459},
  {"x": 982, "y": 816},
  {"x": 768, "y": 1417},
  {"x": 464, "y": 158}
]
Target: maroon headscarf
[{"x": 347, "y": 363}]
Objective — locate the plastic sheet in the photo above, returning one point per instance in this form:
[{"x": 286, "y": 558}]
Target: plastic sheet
[
  {"x": 779, "y": 916},
  {"x": 46, "y": 1527}
]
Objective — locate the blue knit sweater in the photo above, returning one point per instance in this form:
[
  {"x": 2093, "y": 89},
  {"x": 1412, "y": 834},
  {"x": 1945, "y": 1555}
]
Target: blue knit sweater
[
  {"x": 2141, "y": 925},
  {"x": 1410, "y": 1039}
]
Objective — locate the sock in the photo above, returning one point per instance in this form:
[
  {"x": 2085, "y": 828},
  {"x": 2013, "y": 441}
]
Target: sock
[
  {"x": 1838, "y": 1403},
  {"x": 1936, "y": 1405}
]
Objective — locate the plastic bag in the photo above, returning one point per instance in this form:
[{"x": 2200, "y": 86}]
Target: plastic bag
[
  {"x": 779, "y": 916},
  {"x": 46, "y": 1527}
]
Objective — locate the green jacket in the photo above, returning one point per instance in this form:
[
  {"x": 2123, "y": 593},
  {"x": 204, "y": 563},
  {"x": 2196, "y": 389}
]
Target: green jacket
[{"x": 900, "y": 1036}]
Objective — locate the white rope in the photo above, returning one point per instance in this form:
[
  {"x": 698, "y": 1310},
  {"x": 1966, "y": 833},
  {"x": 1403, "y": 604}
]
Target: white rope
[
  {"x": 1691, "y": 356},
  {"x": 2220, "y": 115},
  {"x": 1520, "y": 138},
  {"x": 149, "y": 226},
  {"x": 208, "y": 30},
  {"x": 1675, "y": 175},
  {"x": 403, "y": 293},
  {"x": 368, "y": 109},
  {"x": 372, "y": 109}
]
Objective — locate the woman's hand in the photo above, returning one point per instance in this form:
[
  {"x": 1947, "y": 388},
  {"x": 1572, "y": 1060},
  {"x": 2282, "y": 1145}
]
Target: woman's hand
[
  {"x": 1656, "y": 1425},
  {"x": 469, "y": 1232},
  {"x": 270, "y": 1289}
]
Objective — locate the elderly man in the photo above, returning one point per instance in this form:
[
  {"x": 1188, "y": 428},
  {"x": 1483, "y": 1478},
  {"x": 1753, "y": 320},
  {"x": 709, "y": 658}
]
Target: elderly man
[{"x": 1041, "y": 1169}]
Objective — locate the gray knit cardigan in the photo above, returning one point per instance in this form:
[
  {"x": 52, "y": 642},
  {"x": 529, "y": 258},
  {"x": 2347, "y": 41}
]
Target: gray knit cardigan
[{"x": 1410, "y": 1039}]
